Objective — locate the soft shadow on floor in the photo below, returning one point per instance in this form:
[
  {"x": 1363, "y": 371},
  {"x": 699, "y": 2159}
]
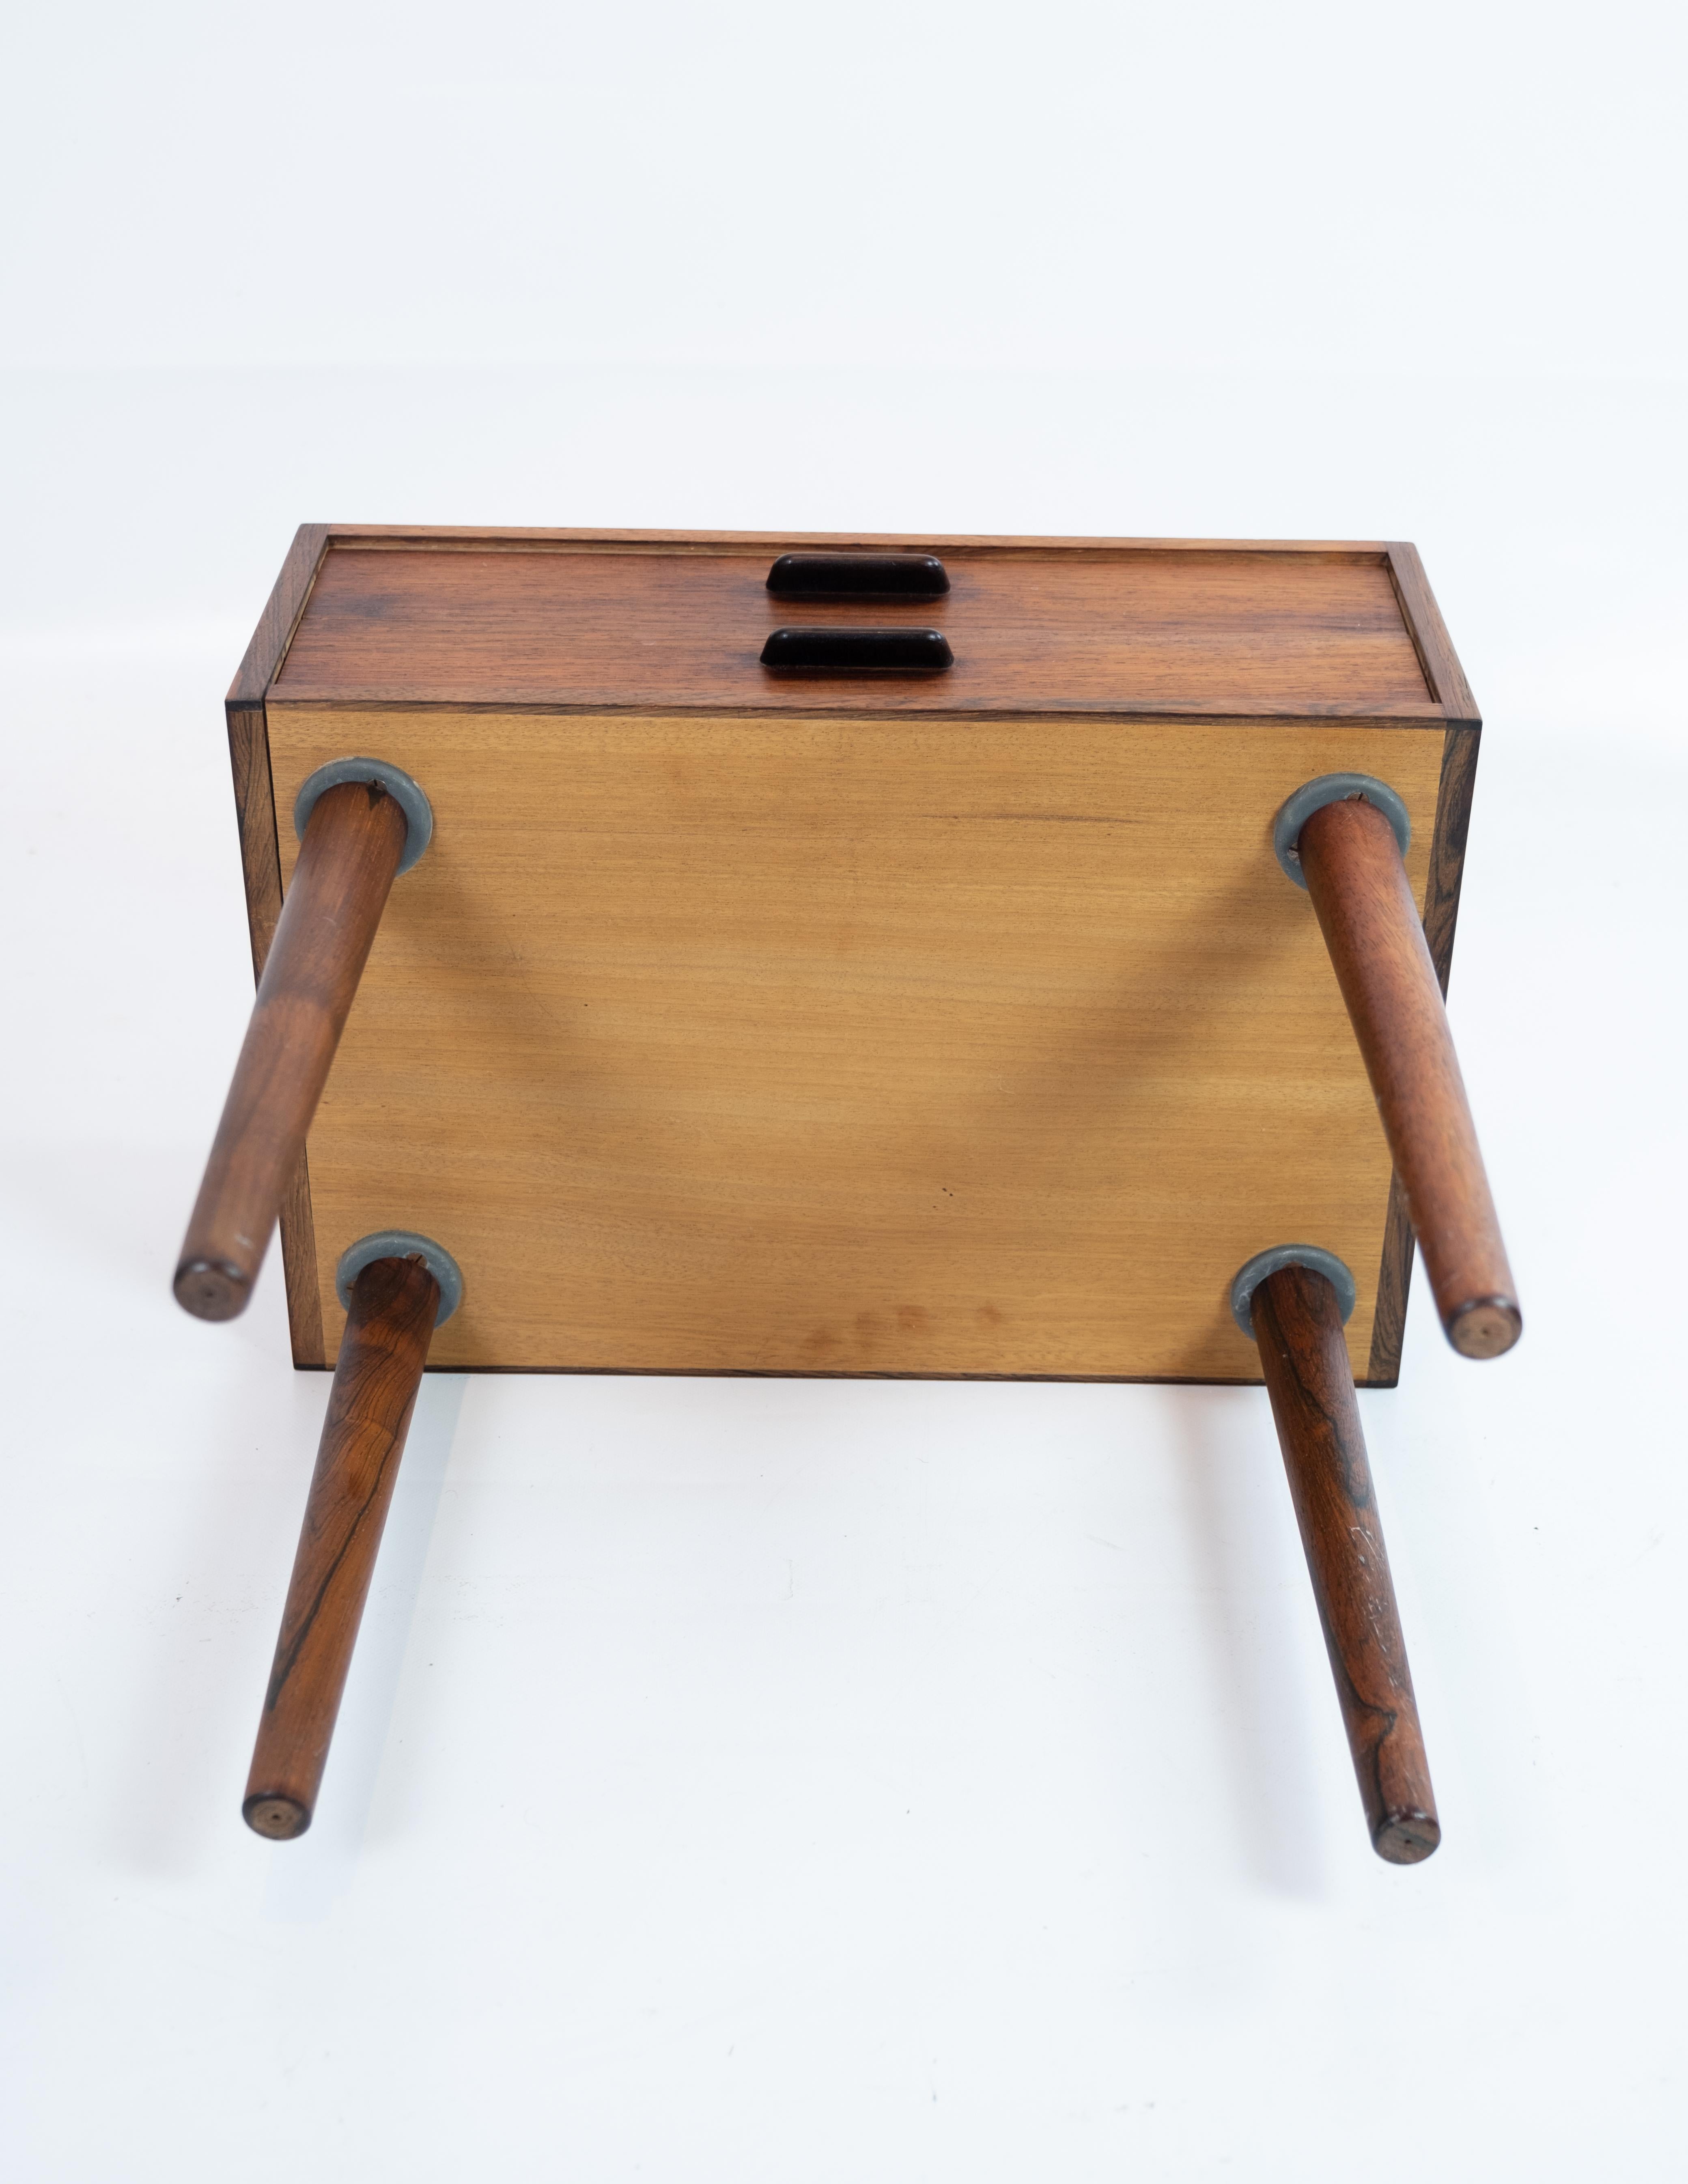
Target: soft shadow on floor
[
  {"x": 1247, "y": 1552},
  {"x": 309, "y": 1876}
]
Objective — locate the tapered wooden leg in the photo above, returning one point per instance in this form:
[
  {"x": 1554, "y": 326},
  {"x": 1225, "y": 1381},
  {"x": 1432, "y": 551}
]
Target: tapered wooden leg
[
  {"x": 352, "y": 846},
  {"x": 380, "y": 1369},
  {"x": 1298, "y": 1325},
  {"x": 1352, "y": 865}
]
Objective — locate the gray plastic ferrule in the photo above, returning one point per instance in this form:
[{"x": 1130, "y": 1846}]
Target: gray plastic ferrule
[
  {"x": 1332, "y": 788},
  {"x": 1249, "y": 1277},
  {"x": 402, "y": 1243},
  {"x": 419, "y": 813}
]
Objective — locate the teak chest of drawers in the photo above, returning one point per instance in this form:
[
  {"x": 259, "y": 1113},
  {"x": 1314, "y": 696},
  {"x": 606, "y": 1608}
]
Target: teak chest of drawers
[{"x": 847, "y": 956}]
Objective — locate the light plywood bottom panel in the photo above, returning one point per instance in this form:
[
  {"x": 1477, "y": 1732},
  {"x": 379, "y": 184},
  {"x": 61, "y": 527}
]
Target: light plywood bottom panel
[{"x": 859, "y": 1046}]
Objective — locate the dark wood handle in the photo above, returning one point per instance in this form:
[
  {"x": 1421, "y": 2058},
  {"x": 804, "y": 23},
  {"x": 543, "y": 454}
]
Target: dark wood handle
[
  {"x": 1371, "y": 925},
  {"x": 858, "y": 576},
  {"x": 380, "y": 1369},
  {"x": 353, "y": 842},
  {"x": 1298, "y": 1325},
  {"x": 841, "y": 649}
]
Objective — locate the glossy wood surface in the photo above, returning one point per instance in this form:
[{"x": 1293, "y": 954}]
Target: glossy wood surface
[
  {"x": 852, "y": 1047},
  {"x": 354, "y": 841},
  {"x": 1298, "y": 1330},
  {"x": 1103, "y": 629},
  {"x": 382, "y": 1352},
  {"x": 1364, "y": 901},
  {"x": 1430, "y": 640}
]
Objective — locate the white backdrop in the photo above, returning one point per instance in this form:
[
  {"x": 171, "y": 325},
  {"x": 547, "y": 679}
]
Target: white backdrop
[{"x": 749, "y": 1781}]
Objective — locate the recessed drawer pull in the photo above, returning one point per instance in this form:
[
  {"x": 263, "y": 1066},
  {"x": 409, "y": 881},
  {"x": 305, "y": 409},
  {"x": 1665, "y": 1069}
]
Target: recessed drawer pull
[
  {"x": 858, "y": 576},
  {"x": 858, "y": 652}
]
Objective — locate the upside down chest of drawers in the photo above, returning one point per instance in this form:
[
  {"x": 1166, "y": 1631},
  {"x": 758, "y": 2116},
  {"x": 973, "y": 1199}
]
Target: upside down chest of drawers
[{"x": 940, "y": 958}]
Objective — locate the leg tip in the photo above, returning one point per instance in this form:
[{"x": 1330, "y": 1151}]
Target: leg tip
[
  {"x": 1407, "y": 1838},
  {"x": 1487, "y": 1327},
  {"x": 280, "y": 1818},
  {"x": 211, "y": 1289}
]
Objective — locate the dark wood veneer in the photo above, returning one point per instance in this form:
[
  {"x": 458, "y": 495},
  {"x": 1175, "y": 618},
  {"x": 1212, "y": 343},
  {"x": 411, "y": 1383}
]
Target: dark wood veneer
[
  {"x": 1129, "y": 630},
  {"x": 261, "y": 868}
]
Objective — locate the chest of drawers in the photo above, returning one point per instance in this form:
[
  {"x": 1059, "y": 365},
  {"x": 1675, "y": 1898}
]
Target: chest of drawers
[{"x": 937, "y": 957}]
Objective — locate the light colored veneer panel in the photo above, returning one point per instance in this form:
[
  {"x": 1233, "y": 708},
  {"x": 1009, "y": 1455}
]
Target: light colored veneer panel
[{"x": 863, "y": 1044}]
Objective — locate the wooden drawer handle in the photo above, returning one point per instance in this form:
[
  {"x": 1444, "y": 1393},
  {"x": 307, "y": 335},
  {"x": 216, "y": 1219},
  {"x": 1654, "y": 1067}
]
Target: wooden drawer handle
[
  {"x": 858, "y": 576},
  {"x": 858, "y": 652}
]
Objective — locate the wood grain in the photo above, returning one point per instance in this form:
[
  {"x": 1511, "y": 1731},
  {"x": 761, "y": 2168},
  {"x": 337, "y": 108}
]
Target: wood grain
[
  {"x": 1256, "y": 562},
  {"x": 1430, "y": 635},
  {"x": 1298, "y": 1330},
  {"x": 269, "y": 642},
  {"x": 382, "y": 1352},
  {"x": 353, "y": 844},
  {"x": 1119, "y": 631},
  {"x": 868, "y": 1046},
  {"x": 261, "y": 870},
  {"x": 447, "y": 538},
  {"x": 1366, "y": 910},
  {"x": 1447, "y": 851},
  {"x": 1441, "y": 915}
]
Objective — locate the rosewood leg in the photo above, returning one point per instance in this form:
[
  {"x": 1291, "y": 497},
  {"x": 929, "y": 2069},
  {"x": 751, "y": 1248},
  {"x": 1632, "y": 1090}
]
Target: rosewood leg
[
  {"x": 393, "y": 1304},
  {"x": 1298, "y": 1326},
  {"x": 352, "y": 842},
  {"x": 1352, "y": 865}
]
